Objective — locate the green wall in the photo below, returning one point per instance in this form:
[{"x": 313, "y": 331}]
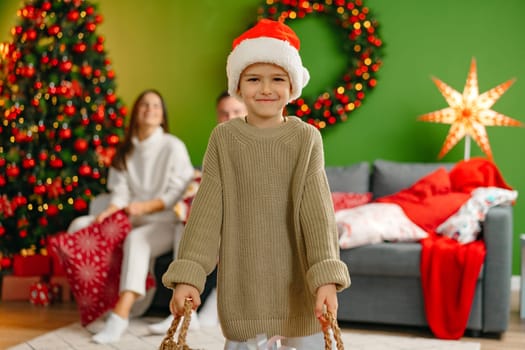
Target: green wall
[{"x": 180, "y": 48}]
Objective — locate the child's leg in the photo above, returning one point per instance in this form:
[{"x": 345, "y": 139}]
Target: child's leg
[{"x": 310, "y": 342}]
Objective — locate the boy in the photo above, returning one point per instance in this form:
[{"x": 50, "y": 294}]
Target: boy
[{"x": 263, "y": 206}]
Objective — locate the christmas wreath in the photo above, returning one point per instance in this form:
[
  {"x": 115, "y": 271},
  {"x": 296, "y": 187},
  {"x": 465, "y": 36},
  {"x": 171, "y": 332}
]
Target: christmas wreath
[{"x": 361, "y": 46}]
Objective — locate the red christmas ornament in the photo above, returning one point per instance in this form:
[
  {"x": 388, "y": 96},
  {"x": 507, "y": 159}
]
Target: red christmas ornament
[
  {"x": 5, "y": 262},
  {"x": 56, "y": 162},
  {"x": 79, "y": 204},
  {"x": 111, "y": 98},
  {"x": 65, "y": 66},
  {"x": 80, "y": 47},
  {"x": 91, "y": 27},
  {"x": 46, "y": 6},
  {"x": 84, "y": 170},
  {"x": 73, "y": 16},
  {"x": 95, "y": 174},
  {"x": 65, "y": 133},
  {"x": 2, "y": 180},
  {"x": 54, "y": 29},
  {"x": 112, "y": 140},
  {"x": 28, "y": 162},
  {"x": 31, "y": 179},
  {"x": 70, "y": 109},
  {"x": 39, "y": 190},
  {"x": 2, "y": 232},
  {"x": 86, "y": 70},
  {"x": 42, "y": 156},
  {"x": 52, "y": 210},
  {"x": 12, "y": 170},
  {"x": 42, "y": 221},
  {"x": 22, "y": 233},
  {"x": 31, "y": 34},
  {"x": 80, "y": 145}
]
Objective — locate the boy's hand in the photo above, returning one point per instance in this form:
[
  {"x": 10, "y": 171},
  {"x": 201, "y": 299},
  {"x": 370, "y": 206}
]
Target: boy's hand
[
  {"x": 179, "y": 296},
  {"x": 326, "y": 295}
]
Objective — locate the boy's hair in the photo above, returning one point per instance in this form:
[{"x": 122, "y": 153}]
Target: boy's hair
[{"x": 267, "y": 42}]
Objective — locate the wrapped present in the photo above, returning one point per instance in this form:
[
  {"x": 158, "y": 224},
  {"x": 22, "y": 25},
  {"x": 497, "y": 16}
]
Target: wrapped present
[
  {"x": 17, "y": 287},
  {"x": 63, "y": 290},
  {"x": 56, "y": 292},
  {"x": 40, "y": 293},
  {"x": 31, "y": 265},
  {"x": 261, "y": 342},
  {"x": 56, "y": 265}
]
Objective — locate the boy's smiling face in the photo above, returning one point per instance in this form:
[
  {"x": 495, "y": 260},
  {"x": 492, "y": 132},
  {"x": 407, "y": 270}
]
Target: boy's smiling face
[{"x": 265, "y": 89}]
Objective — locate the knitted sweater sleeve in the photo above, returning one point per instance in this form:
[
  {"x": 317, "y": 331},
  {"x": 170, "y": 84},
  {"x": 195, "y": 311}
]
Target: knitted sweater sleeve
[
  {"x": 118, "y": 186},
  {"x": 199, "y": 246},
  {"x": 180, "y": 174},
  {"x": 319, "y": 227}
]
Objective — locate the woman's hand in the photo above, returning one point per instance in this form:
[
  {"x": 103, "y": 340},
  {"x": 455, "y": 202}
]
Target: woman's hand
[
  {"x": 143, "y": 208},
  {"x": 326, "y": 295},
  {"x": 179, "y": 296},
  {"x": 107, "y": 212}
]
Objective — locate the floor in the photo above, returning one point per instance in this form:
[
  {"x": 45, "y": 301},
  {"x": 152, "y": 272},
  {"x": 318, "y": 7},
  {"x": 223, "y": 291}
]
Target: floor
[
  {"x": 20, "y": 322},
  {"x": 75, "y": 337}
]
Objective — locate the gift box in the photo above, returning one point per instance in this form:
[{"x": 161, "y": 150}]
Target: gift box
[
  {"x": 61, "y": 289},
  {"x": 40, "y": 293},
  {"x": 17, "y": 287},
  {"x": 56, "y": 265},
  {"x": 31, "y": 265}
]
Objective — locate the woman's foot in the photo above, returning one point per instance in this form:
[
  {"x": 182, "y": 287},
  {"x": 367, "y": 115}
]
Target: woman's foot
[
  {"x": 163, "y": 326},
  {"x": 112, "y": 331}
]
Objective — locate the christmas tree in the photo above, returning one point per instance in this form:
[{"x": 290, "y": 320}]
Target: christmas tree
[{"x": 60, "y": 121}]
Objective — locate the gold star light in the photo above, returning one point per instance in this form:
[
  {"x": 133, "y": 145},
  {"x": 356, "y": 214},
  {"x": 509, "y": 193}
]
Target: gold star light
[{"x": 468, "y": 113}]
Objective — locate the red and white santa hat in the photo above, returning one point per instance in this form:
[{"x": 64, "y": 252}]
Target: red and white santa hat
[{"x": 267, "y": 42}]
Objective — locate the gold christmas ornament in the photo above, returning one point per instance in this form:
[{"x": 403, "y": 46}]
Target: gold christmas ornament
[{"x": 469, "y": 113}]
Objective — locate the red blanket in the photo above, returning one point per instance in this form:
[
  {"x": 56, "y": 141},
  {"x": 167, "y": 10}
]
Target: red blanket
[{"x": 449, "y": 270}]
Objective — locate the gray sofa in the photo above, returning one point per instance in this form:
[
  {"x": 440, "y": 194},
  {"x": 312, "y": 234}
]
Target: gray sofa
[{"x": 386, "y": 285}]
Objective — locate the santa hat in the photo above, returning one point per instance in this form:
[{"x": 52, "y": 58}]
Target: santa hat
[{"x": 267, "y": 42}]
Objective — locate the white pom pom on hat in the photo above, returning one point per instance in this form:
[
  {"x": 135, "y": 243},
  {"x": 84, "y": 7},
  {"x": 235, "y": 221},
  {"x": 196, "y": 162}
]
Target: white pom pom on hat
[{"x": 267, "y": 42}]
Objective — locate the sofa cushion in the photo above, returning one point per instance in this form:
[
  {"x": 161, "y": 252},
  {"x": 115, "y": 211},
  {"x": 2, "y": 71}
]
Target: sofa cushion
[
  {"x": 384, "y": 259},
  {"x": 389, "y": 177},
  {"x": 354, "y": 178},
  {"x": 375, "y": 223}
]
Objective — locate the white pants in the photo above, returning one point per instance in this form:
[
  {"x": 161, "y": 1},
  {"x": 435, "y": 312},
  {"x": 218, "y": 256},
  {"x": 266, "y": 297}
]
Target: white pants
[
  {"x": 145, "y": 242},
  {"x": 310, "y": 342}
]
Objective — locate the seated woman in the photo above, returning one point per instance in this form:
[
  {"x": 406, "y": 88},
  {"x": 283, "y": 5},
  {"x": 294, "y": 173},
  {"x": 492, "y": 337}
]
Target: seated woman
[{"x": 149, "y": 173}]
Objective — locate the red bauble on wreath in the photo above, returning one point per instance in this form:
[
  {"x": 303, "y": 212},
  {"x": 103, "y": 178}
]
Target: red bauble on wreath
[{"x": 361, "y": 47}]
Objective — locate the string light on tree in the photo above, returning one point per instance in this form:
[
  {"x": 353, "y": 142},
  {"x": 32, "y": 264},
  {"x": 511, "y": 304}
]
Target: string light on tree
[{"x": 60, "y": 120}]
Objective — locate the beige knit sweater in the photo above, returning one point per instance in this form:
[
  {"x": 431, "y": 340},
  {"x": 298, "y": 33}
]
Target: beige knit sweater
[{"x": 264, "y": 208}]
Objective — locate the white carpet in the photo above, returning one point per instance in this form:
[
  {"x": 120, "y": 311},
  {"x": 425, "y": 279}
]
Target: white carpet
[{"x": 137, "y": 338}]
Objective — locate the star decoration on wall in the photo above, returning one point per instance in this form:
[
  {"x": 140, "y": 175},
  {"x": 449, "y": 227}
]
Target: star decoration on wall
[{"x": 469, "y": 113}]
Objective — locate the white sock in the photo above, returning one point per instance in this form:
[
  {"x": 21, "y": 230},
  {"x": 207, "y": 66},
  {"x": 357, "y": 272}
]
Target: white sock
[
  {"x": 112, "y": 331},
  {"x": 163, "y": 326},
  {"x": 208, "y": 315}
]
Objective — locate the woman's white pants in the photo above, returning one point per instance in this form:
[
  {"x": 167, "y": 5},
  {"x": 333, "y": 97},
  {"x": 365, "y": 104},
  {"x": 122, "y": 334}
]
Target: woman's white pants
[{"x": 145, "y": 242}]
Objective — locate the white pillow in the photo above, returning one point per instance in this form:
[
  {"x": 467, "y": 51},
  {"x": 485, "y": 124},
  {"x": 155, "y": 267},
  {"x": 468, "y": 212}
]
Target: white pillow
[
  {"x": 464, "y": 226},
  {"x": 374, "y": 223}
]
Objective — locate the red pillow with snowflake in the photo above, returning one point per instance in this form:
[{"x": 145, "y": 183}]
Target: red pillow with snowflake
[
  {"x": 348, "y": 200},
  {"x": 91, "y": 259}
]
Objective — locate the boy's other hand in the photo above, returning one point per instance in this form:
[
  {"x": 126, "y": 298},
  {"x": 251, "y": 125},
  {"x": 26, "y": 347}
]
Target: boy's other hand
[
  {"x": 179, "y": 296},
  {"x": 326, "y": 295}
]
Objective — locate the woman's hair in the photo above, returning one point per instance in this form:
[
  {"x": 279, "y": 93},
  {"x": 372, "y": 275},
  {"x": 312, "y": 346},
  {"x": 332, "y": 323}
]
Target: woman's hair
[{"x": 126, "y": 146}]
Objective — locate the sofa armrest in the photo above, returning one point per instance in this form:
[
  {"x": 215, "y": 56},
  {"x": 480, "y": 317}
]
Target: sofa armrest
[{"x": 497, "y": 234}]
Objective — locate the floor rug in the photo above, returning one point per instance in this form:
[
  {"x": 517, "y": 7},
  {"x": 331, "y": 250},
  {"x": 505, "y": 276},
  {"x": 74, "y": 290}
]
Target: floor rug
[{"x": 137, "y": 337}]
